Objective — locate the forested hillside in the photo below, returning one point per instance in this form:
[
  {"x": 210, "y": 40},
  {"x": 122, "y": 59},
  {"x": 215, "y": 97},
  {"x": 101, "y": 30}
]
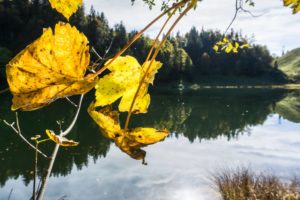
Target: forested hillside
[{"x": 187, "y": 56}]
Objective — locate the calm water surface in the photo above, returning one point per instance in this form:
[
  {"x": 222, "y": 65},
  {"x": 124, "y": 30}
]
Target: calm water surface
[{"x": 211, "y": 130}]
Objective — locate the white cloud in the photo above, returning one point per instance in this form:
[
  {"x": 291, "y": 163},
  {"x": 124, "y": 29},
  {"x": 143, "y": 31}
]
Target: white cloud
[{"x": 276, "y": 28}]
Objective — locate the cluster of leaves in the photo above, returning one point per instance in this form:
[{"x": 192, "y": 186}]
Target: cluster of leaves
[
  {"x": 295, "y": 5},
  {"x": 229, "y": 46},
  {"x": 126, "y": 77},
  {"x": 54, "y": 66}
]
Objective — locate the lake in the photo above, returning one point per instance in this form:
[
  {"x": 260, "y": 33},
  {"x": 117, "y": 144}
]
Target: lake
[{"x": 211, "y": 130}]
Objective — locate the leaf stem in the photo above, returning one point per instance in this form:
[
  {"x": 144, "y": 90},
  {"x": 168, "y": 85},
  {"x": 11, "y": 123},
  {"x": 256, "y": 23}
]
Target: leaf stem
[
  {"x": 152, "y": 60},
  {"x": 137, "y": 36},
  {"x": 160, "y": 32}
]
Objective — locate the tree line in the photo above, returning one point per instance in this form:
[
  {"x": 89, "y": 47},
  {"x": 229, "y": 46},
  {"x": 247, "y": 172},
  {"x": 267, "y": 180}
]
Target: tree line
[{"x": 187, "y": 56}]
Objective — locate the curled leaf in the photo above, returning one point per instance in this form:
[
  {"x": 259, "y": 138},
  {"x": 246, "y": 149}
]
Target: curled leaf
[
  {"x": 66, "y": 7},
  {"x": 123, "y": 81},
  {"x": 51, "y": 67},
  {"x": 62, "y": 141}
]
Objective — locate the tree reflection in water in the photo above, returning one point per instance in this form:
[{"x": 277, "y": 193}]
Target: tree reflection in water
[{"x": 202, "y": 115}]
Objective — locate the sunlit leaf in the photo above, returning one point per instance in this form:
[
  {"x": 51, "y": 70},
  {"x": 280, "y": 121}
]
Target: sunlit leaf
[
  {"x": 66, "y": 7},
  {"x": 123, "y": 81},
  {"x": 295, "y": 5},
  {"x": 51, "y": 67},
  {"x": 62, "y": 141}
]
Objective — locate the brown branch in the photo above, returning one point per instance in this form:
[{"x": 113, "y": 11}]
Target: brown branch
[
  {"x": 152, "y": 60},
  {"x": 137, "y": 36}
]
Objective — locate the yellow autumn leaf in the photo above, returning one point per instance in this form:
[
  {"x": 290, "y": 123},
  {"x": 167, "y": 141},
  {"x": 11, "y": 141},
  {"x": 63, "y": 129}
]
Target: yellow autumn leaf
[
  {"x": 216, "y": 48},
  {"x": 62, "y": 141},
  {"x": 129, "y": 141},
  {"x": 295, "y": 5},
  {"x": 66, "y": 7},
  {"x": 51, "y": 67},
  {"x": 123, "y": 81},
  {"x": 246, "y": 45},
  {"x": 146, "y": 136},
  {"x": 229, "y": 46},
  {"x": 107, "y": 120}
]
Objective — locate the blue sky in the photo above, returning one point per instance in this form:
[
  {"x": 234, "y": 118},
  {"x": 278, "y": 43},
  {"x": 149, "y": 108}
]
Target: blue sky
[{"x": 276, "y": 27}]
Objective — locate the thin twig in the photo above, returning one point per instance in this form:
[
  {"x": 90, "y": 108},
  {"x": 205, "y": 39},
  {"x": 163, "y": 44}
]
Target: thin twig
[
  {"x": 151, "y": 62},
  {"x": 137, "y": 36},
  {"x": 239, "y": 7},
  {"x": 106, "y": 52},
  {"x": 18, "y": 131},
  {"x": 95, "y": 52},
  {"x": 71, "y": 102},
  {"x": 4, "y": 90},
  {"x": 42, "y": 188},
  {"x": 68, "y": 130},
  {"x": 97, "y": 63},
  {"x": 11, "y": 191},
  {"x": 35, "y": 172}
]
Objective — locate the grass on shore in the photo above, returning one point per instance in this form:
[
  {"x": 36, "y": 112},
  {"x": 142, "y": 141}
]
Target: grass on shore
[{"x": 244, "y": 184}]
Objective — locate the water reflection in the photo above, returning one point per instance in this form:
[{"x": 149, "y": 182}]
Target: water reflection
[
  {"x": 206, "y": 114},
  {"x": 209, "y": 114}
]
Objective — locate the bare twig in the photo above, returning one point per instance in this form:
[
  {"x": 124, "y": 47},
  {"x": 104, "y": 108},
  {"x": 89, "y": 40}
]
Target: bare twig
[
  {"x": 95, "y": 52},
  {"x": 239, "y": 7},
  {"x": 97, "y": 63},
  {"x": 68, "y": 130},
  {"x": 42, "y": 188},
  {"x": 4, "y": 90},
  {"x": 17, "y": 130},
  {"x": 71, "y": 102},
  {"x": 106, "y": 52},
  {"x": 11, "y": 191}
]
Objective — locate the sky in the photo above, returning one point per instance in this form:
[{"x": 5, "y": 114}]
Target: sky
[{"x": 275, "y": 27}]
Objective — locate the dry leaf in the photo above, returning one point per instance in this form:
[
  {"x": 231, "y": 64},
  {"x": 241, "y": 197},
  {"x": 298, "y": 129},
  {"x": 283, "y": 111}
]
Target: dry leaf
[
  {"x": 131, "y": 148},
  {"x": 62, "y": 141},
  {"x": 129, "y": 141},
  {"x": 51, "y": 67}
]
